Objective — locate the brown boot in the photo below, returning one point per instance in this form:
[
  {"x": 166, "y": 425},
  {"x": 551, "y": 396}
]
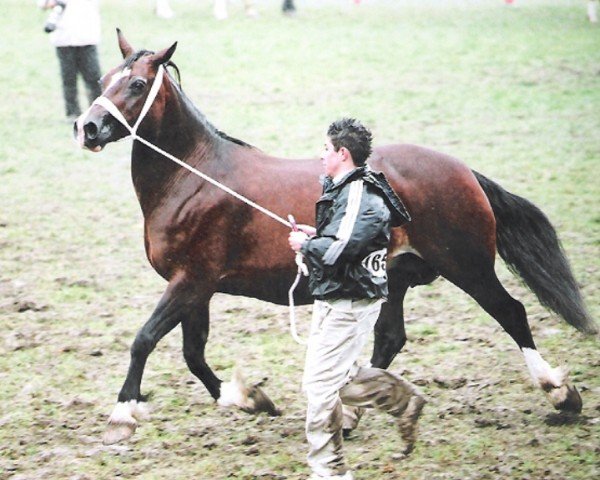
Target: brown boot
[{"x": 407, "y": 422}]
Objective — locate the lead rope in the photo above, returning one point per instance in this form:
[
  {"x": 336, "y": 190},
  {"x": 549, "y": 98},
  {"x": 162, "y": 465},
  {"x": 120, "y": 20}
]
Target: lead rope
[
  {"x": 302, "y": 270},
  {"x": 115, "y": 112}
]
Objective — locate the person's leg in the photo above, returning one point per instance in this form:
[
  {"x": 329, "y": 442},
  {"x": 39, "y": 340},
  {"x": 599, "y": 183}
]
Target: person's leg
[
  {"x": 220, "y": 9},
  {"x": 68, "y": 71},
  {"x": 89, "y": 67},
  {"x": 250, "y": 9},
  {"x": 390, "y": 393},
  {"x": 163, "y": 9},
  {"x": 592, "y": 9},
  {"x": 288, "y": 6},
  {"x": 339, "y": 330}
]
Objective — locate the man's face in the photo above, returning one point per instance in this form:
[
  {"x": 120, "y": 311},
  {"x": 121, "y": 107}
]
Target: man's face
[{"x": 331, "y": 160}]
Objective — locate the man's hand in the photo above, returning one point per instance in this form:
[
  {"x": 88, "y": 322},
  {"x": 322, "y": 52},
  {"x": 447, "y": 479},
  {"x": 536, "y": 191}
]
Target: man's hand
[
  {"x": 47, "y": 4},
  {"x": 308, "y": 229},
  {"x": 296, "y": 239}
]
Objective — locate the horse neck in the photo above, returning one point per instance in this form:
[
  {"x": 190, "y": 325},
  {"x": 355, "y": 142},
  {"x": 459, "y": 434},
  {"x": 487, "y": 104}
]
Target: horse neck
[{"x": 184, "y": 133}]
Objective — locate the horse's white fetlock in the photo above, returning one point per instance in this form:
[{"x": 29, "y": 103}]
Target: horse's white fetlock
[
  {"x": 553, "y": 381},
  {"x": 235, "y": 393},
  {"x": 123, "y": 421},
  {"x": 542, "y": 373},
  {"x": 249, "y": 399}
]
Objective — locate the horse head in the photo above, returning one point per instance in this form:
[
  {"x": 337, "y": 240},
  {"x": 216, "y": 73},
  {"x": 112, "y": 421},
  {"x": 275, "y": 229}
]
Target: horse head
[{"x": 127, "y": 87}]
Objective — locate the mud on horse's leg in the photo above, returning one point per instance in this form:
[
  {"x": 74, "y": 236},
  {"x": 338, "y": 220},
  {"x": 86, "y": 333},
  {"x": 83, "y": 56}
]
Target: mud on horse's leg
[{"x": 173, "y": 307}]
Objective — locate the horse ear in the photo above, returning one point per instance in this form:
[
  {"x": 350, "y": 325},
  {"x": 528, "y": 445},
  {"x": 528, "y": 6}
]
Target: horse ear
[
  {"x": 126, "y": 48},
  {"x": 164, "y": 56}
]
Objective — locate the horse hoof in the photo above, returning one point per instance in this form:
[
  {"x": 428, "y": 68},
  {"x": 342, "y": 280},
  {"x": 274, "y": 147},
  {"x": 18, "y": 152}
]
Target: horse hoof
[
  {"x": 262, "y": 403},
  {"x": 566, "y": 398},
  {"x": 123, "y": 421},
  {"x": 248, "y": 399},
  {"x": 116, "y": 433}
]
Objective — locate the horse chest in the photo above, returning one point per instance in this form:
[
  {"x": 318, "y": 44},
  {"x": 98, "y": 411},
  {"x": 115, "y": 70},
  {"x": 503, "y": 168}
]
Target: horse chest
[{"x": 165, "y": 246}]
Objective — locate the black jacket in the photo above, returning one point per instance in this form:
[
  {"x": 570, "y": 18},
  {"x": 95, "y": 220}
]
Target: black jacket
[{"x": 347, "y": 257}]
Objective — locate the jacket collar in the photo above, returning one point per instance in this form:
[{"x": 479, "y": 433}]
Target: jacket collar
[{"x": 352, "y": 175}]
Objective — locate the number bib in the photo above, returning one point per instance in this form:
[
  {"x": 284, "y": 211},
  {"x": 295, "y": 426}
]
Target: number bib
[{"x": 375, "y": 263}]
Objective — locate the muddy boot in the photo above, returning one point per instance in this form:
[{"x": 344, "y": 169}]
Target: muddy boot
[
  {"x": 352, "y": 416},
  {"x": 390, "y": 393},
  {"x": 407, "y": 422}
]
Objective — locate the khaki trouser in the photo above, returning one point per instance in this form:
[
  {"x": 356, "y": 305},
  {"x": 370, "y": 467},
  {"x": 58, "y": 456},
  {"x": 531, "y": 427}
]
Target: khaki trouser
[{"x": 339, "y": 331}]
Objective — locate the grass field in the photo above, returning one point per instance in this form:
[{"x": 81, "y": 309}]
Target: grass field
[{"x": 513, "y": 91}]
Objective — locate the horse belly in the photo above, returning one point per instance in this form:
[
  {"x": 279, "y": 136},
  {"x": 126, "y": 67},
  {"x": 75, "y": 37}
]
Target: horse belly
[{"x": 267, "y": 286}]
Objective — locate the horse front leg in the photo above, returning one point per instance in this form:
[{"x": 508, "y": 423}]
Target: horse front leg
[
  {"x": 175, "y": 304},
  {"x": 236, "y": 393}
]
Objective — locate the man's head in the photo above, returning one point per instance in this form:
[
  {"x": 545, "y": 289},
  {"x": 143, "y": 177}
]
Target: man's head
[
  {"x": 348, "y": 146},
  {"x": 349, "y": 133}
]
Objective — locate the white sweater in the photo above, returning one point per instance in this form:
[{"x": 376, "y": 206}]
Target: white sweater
[{"x": 79, "y": 24}]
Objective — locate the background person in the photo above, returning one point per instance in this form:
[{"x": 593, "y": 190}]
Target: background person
[
  {"x": 163, "y": 9},
  {"x": 220, "y": 9},
  {"x": 592, "y": 10},
  {"x": 288, "y": 7},
  {"x": 75, "y": 34},
  {"x": 346, "y": 256}
]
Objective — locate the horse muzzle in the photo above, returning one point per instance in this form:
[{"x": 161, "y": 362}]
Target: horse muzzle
[{"x": 95, "y": 128}]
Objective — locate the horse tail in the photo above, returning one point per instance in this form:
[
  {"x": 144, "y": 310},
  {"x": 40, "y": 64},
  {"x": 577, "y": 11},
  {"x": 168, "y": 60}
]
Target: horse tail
[{"x": 528, "y": 243}]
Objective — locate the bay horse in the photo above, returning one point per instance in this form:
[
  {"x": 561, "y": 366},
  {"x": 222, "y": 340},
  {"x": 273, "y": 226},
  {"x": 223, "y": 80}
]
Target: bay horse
[{"x": 202, "y": 240}]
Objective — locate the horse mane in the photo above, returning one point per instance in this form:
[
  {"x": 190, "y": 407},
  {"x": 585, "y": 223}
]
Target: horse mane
[
  {"x": 201, "y": 116},
  {"x": 129, "y": 61},
  {"x": 229, "y": 137}
]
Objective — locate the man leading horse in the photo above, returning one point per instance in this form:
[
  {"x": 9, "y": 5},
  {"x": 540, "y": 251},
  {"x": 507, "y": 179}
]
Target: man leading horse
[{"x": 346, "y": 255}]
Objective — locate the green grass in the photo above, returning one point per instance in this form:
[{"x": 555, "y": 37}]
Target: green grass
[{"x": 513, "y": 91}]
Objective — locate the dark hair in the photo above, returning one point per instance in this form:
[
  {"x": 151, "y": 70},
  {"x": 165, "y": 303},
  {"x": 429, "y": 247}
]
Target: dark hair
[{"x": 353, "y": 135}]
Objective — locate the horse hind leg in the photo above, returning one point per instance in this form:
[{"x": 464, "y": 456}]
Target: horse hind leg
[
  {"x": 251, "y": 399},
  {"x": 487, "y": 290}
]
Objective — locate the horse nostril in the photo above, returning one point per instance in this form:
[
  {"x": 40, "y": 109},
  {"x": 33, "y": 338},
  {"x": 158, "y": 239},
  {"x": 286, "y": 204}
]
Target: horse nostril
[{"x": 91, "y": 130}]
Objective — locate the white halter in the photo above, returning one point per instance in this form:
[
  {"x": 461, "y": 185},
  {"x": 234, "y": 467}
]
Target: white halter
[{"x": 114, "y": 111}]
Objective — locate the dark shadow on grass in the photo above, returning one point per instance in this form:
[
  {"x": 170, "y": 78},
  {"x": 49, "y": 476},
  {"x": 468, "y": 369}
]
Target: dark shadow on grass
[{"x": 557, "y": 419}]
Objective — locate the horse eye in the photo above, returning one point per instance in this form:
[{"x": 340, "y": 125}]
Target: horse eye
[{"x": 138, "y": 85}]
